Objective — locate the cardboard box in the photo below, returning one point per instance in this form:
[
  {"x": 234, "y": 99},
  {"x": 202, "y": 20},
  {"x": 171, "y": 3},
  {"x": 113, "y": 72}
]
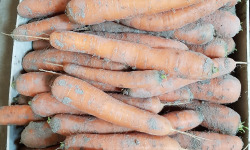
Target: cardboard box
[{"x": 241, "y": 72}]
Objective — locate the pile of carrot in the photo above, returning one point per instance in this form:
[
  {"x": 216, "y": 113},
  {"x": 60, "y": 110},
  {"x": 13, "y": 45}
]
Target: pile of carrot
[{"x": 104, "y": 80}]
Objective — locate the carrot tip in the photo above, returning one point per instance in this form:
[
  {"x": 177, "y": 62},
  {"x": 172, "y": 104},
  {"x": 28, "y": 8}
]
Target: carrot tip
[
  {"x": 62, "y": 146},
  {"x": 242, "y": 128},
  {"x": 13, "y": 85},
  {"x": 125, "y": 91},
  {"x": 49, "y": 120},
  {"x": 29, "y": 102},
  {"x": 215, "y": 70}
]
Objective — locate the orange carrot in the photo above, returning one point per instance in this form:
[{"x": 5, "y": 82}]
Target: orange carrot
[
  {"x": 17, "y": 115},
  {"x": 21, "y": 100},
  {"x": 230, "y": 45},
  {"x": 36, "y": 9},
  {"x": 81, "y": 11},
  {"x": 79, "y": 94},
  {"x": 41, "y": 45},
  {"x": 215, "y": 141},
  {"x": 40, "y": 135},
  {"x": 46, "y": 59},
  {"x": 46, "y": 105},
  {"x": 136, "y": 55},
  {"x": 30, "y": 84},
  {"x": 103, "y": 87},
  {"x": 43, "y": 28},
  {"x": 171, "y": 20},
  {"x": 225, "y": 23},
  {"x": 135, "y": 141}
]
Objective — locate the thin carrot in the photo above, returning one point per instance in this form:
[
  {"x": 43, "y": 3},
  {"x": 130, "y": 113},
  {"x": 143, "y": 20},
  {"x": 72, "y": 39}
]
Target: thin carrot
[
  {"x": 41, "y": 45},
  {"x": 40, "y": 135},
  {"x": 136, "y": 55},
  {"x": 17, "y": 115},
  {"x": 50, "y": 59}
]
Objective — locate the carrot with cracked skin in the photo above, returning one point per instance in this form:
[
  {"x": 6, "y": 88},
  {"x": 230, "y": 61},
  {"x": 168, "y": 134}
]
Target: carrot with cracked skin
[
  {"x": 223, "y": 65},
  {"x": 81, "y": 11},
  {"x": 224, "y": 90},
  {"x": 215, "y": 141},
  {"x": 175, "y": 19},
  {"x": 133, "y": 79},
  {"x": 32, "y": 83},
  {"x": 80, "y": 95},
  {"x": 17, "y": 115},
  {"x": 136, "y": 55},
  {"x": 40, "y": 135},
  {"x": 41, "y": 45},
  {"x": 42, "y": 29},
  {"x": 50, "y": 59}
]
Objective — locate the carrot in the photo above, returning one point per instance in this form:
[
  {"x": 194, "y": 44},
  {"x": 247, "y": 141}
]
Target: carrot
[
  {"x": 30, "y": 84},
  {"x": 152, "y": 41},
  {"x": 224, "y": 65},
  {"x": 195, "y": 33},
  {"x": 41, "y": 45},
  {"x": 81, "y": 11},
  {"x": 233, "y": 3},
  {"x": 224, "y": 89},
  {"x": 40, "y": 135},
  {"x": 135, "y": 141},
  {"x": 215, "y": 141},
  {"x": 46, "y": 105},
  {"x": 217, "y": 117},
  {"x": 171, "y": 20},
  {"x": 17, "y": 115},
  {"x": 215, "y": 49},
  {"x": 80, "y": 95},
  {"x": 221, "y": 20},
  {"x": 43, "y": 28},
  {"x": 103, "y": 87},
  {"x": 133, "y": 79},
  {"x": 46, "y": 59},
  {"x": 136, "y": 55},
  {"x": 36, "y": 9},
  {"x": 21, "y": 100},
  {"x": 230, "y": 45}
]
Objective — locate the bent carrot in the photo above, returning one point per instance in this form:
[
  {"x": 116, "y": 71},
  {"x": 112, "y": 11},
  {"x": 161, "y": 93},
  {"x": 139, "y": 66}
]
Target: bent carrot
[
  {"x": 79, "y": 94},
  {"x": 46, "y": 59},
  {"x": 135, "y": 141},
  {"x": 41, "y": 45},
  {"x": 32, "y": 83},
  {"x": 43, "y": 28},
  {"x": 17, "y": 115},
  {"x": 81, "y": 11},
  {"x": 136, "y": 55},
  {"x": 40, "y": 135}
]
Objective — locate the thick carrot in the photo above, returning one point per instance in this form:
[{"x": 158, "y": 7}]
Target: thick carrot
[
  {"x": 230, "y": 45},
  {"x": 133, "y": 79},
  {"x": 46, "y": 105},
  {"x": 215, "y": 141},
  {"x": 135, "y": 141},
  {"x": 79, "y": 94},
  {"x": 17, "y": 115},
  {"x": 41, "y": 45},
  {"x": 43, "y": 28},
  {"x": 136, "y": 55},
  {"x": 81, "y": 11},
  {"x": 36, "y": 9},
  {"x": 195, "y": 33},
  {"x": 21, "y": 100},
  {"x": 40, "y": 135},
  {"x": 46, "y": 59},
  {"x": 221, "y": 20},
  {"x": 171, "y": 20},
  {"x": 224, "y": 89},
  {"x": 224, "y": 65},
  {"x": 32, "y": 83}
]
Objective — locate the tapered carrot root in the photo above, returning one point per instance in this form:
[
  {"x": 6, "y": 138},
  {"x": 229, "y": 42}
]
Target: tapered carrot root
[
  {"x": 230, "y": 45},
  {"x": 81, "y": 11},
  {"x": 79, "y": 94},
  {"x": 41, "y": 45},
  {"x": 46, "y": 105},
  {"x": 43, "y": 28},
  {"x": 195, "y": 33},
  {"x": 17, "y": 115},
  {"x": 135, "y": 141},
  {"x": 30, "y": 84},
  {"x": 225, "y": 23},
  {"x": 36, "y": 9},
  {"x": 40, "y": 135},
  {"x": 133, "y": 79},
  {"x": 216, "y": 141},
  {"x": 50, "y": 59},
  {"x": 136, "y": 55},
  {"x": 175, "y": 19}
]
